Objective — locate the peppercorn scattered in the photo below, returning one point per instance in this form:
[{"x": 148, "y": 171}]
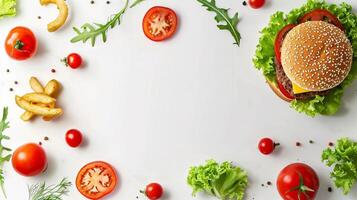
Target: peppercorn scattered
[
  {"x": 16, "y": 82},
  {"x": 329, "y": 189},
  {"x": 7, "y": 70},
  {"x": 244, "y": 3},
  {"x": 53, "y": 70},
  {"x": 269, "y": 183},
  {"x": 11, "y": 89},
  {"x": 39, "y": 17},
  {"x": 311, "y": 142},
  {"x": 40, "y": 143},
  {"x": 46, "y": 138},
  {"x": 92, "y": 2},
  {"x": 330, "y": 144},
  {"x": 108, "y": 2},
  {"x": 298, "y": 144}
]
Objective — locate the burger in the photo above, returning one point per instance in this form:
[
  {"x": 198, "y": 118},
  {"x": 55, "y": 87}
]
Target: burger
[{"x": 309, "y": 56}]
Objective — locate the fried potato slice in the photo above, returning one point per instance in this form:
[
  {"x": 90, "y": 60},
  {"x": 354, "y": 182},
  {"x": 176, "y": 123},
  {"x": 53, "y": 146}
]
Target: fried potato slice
[
  {"x": 39, "y": 98},
  {"x": 36, "y": 85},
  {"x": 38, "y": 109},
  {"x": 62, "y": 16},
  {"x": 52, "y": 88}
]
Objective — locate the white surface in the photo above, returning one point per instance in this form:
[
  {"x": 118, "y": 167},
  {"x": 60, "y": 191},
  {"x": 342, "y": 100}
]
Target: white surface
[{"x": 155, "y": 109}]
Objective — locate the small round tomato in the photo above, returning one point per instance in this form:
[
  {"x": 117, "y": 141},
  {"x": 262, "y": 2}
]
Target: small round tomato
[
  {"x": 20, "y": 43},
  {"x": 96, "y": 180},
  {"x": 29, "y": 160},
  {"x": 322, "y": 15},
  {"x": 256, "y": 3},
  {"x": 73, "y": 60},
  {"x": 298, "y": 181},
  {"x": 266, "y": 146},
  {"x": 159, "y": 23},
  {"x": 154, "y": 191},
  {"x": 279, "y": 40},
  {"x": 74, "y": 137}
]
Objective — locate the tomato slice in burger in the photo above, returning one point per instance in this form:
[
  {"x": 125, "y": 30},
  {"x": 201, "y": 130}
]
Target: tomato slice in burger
[
  {"x": 279, "y": 40},
  {"x": 96, "y": 179},
  {"x": 159, "y": 23},
  {"x": 284, "y": 91},
  {"x": 322, "y": 15}
]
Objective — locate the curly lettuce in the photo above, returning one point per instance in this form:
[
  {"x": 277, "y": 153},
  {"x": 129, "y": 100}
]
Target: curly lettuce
[
  {"x": 224, "y": 180},
  {"x": 7, "y": 8},
  {"x": 264, "y": 55},
  {"x": 343, "y": 159}
]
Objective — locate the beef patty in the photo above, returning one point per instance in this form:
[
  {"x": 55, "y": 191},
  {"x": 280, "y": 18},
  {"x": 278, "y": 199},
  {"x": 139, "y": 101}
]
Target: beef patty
[{"x": 287, "y": 84}]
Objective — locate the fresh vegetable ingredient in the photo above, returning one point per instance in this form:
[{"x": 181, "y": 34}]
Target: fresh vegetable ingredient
[
  {"x": 298, "y": 181},
  {"x": 225, "y": 22},
  {"x": 153, "y": 191},
  {"x": 279, "y": 40},
  {"x": 20, "y": 43},
  {"x": 52, "y": 192},
  {"x": 159, "y": 23},
  {"x": 136, "y": 2},
  {"x": 74, "y": 138},
  {"x": 73, "y": 60},
  {"x": 264, "y": 56},
  {"x": 4, "y": 124},
  {"x": 266, "y": 146},
  {"x": 96, "y": 180},
  {"x": 62, "y": 16},
  {"x": 29, "y": 159},
  {"x": 91, "y": 32},
  {"x": 343, "y": 159},
  {"x": 7, "y": 8},
  {"x": 321, "y": 15},
  {"x": 224, "y": 180},
  {"x": 256, "y": 3},
  {"x": 42, "y": 102}
]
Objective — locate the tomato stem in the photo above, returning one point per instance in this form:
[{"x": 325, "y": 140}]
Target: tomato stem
[
  {"x": 276, "y": 144},
  {"x": 19, "y": 45},
  {"x": 65, "y": 61},
  {"x": 301, "y": 188}
]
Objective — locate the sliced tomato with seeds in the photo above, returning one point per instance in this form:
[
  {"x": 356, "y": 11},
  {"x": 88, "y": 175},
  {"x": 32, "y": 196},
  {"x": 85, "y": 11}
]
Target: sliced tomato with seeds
[
  {"x": 322, "y": 15},
  {"x": 159, "y": 23},
  {"x": 96, "y": 180},
  {"x": 284, "y": 91},
  {"x": 280, "y": 38}
]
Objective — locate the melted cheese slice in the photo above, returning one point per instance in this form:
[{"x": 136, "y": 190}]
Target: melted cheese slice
[{"x": 299, "y": 90}]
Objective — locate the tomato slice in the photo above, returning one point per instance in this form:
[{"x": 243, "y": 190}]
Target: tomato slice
[
  {"x": 159, "y": 23},
  {"x": 279, "y": 40},
  {"x": 284, "y": 92},
  {"x": 96, "y": 179},
  {"x": 322, "y": 15}
]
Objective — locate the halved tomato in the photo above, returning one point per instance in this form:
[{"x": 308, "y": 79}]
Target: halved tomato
[
  {"x": 159, "y": 23},
  {"x": 280, "y": 38},
  {"x": 322, "y": 15},
  {"x": 96, "y": 179}
]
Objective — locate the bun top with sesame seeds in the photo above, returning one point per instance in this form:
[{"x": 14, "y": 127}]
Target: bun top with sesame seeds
[{"x": 316, "y": 55}]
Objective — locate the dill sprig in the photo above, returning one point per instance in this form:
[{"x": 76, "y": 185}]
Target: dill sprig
[
  {"x": 52, "y": 192},
  {"x": 4, "y": 124}
]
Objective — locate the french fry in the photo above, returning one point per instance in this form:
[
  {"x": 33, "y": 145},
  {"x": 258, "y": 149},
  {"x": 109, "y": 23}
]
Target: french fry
[
  {"x": 39, "y": 98},
  {"x": 52, "y": 88},
  {"x": 36, "y": 85},
  {"x": 27, "y": 116},
  {"x": 38, "y": 109},
  {"x": 62, "y": 16}
]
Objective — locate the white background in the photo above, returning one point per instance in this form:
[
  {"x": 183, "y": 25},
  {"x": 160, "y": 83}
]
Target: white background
[{"x": 154, "y": 109}]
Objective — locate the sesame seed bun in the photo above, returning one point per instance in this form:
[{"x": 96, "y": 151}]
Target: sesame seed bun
[{"x": 316, "y": 55}]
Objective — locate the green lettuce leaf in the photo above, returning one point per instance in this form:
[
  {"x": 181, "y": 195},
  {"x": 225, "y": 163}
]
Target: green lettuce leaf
[
  {"x": 264, "y": 55},
  {"x": 7, "y": 8},
  {"x": 343, "y": 159},
  {"x": 224, "y": 180}
]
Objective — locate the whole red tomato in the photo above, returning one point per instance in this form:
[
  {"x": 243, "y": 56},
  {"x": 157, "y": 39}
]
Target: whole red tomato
[
  {"x": 298, "y": 181},
  {"x": 74, "y": 137},
  {"x": 154, "y": 191},
  {"x": 256, "y": 3},
  {"x": 20, "y": 43},
  {"x": 29, "y": 159}
]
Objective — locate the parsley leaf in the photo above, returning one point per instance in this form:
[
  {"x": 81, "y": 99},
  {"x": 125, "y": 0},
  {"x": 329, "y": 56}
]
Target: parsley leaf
[{"x": 4, "y": 124}]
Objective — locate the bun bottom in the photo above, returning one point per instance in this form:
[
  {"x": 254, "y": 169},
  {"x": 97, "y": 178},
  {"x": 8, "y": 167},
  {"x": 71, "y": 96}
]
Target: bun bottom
[{"x": 277, "y": 91}]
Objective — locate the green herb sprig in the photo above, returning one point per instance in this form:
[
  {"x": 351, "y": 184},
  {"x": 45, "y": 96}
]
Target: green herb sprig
[
  {"x": 53, "y": 192},
  {"x": 4, "y": 124},
  {"x": 136, "y": 3},
  {"x": 225, "y": 22}
]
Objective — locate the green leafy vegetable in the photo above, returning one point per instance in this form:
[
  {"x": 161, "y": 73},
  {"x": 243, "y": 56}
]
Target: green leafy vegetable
[
  {"x": 136, "y": 3},
  {"x": 53, "y": 192},
  {"x": 344, "y": 161},
  {"x": 91, "y": 32},
  {"x": 4, "y": 124},
  {"x": 225, "y": 22},
  {"x": 7, "y": 8},
  {"x": 221, "y": 180},
  {"x": 264, "y": 55}
]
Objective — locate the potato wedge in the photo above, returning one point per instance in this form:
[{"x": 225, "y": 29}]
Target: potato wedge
[
  {"x": 27, "y": 116},
  {"x": 52, "y": 88},
  {"x": 39, "y": 98},
  {"x": 37, "y": 109},
  {"x": 62, "y": 16},
  {"x": 36, "y": 85}
]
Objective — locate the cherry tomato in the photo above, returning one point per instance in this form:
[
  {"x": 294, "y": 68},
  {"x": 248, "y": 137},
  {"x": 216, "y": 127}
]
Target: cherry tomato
[
  {"x": 29, "y": 160},
  {"x": 322, "y": 15},
  {"x": 74, "y": 137},
  {"x": 256, "y": 3},
  {"x": 73, "y": 60},
  {"x": 285, "y": 92},
  {"x": 266, "y": 146},
  {"x": 20, "y": 43},
  {"x": 159, "y": 23},
  {"x": 96, "y": 180},
  {"x": 279, "y": 40},
  {"x": 154, "y": 191},
  {"x": 298, "y": 181}
]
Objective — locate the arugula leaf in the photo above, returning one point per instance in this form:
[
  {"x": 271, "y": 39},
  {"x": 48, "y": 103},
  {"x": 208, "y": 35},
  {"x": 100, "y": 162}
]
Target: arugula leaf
[
  {"x": 4, "y": 124},
  {"x": 7, "y": 8},
  {"x": 53, "y": 192},
  {"x": 91, "y": 32},
  {"x": 264, "y": 55},
  {"x": 343, "y": 159},
  {"x": 225, "y": 22},
  {"x": 224, "y": 180}
]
